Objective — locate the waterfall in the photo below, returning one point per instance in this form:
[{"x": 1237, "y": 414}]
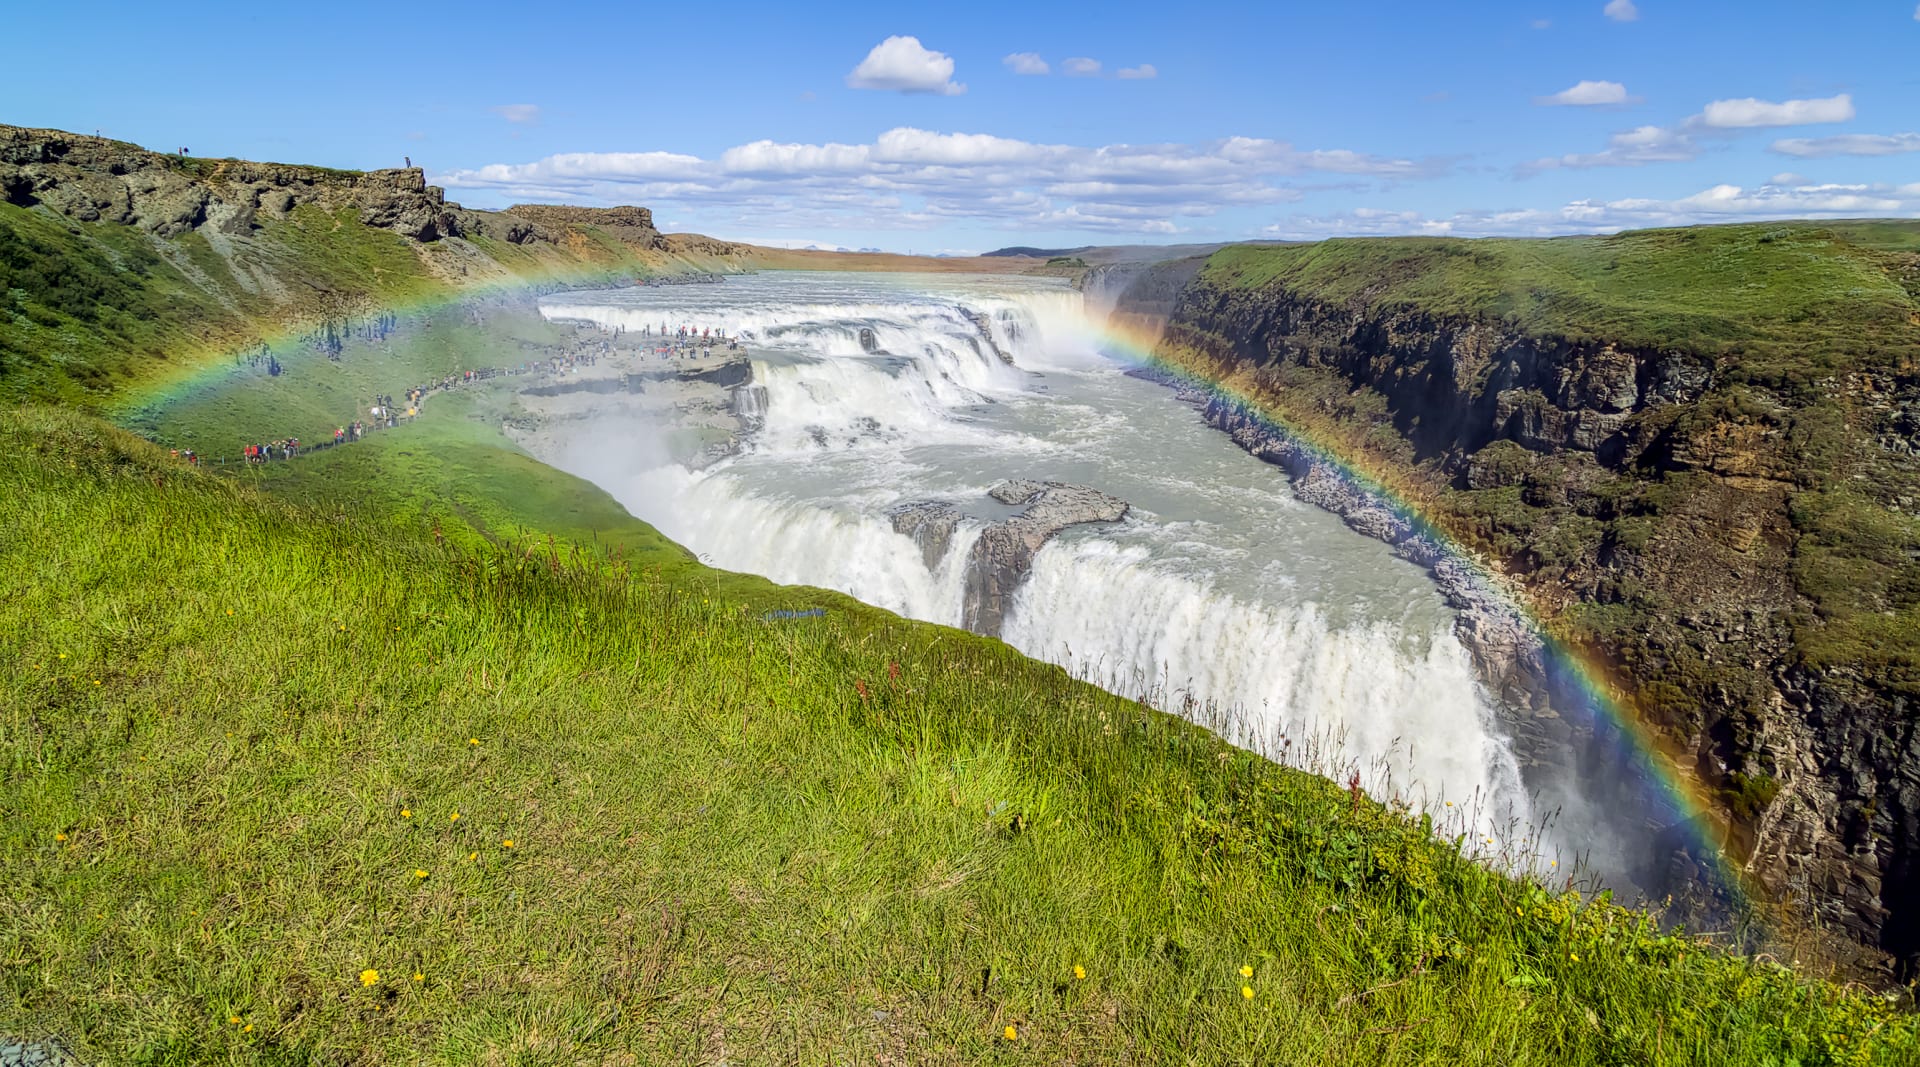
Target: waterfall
[{"x": 1316, "y": 646}]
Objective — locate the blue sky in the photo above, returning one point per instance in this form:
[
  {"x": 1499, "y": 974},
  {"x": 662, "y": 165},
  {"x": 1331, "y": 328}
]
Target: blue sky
[{"x": 915, "y": 128}]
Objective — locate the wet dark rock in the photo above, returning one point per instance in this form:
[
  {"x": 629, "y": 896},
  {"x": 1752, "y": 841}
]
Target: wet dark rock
[
  {"x": 1000, "y": 559},
  {"x": 46, "y": 1052},
  {"x": 930, "y": 524},
  {"x": 985, "y": 325},
  {"x": 1004, "y": 553}
]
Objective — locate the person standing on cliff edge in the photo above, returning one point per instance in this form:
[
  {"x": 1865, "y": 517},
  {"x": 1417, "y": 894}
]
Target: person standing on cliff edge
[{"x": 409, "y": 160}]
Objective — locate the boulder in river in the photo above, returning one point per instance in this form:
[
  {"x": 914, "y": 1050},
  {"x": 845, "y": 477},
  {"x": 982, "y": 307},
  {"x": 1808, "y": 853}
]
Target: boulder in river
[{"x": 999, "y": 561}]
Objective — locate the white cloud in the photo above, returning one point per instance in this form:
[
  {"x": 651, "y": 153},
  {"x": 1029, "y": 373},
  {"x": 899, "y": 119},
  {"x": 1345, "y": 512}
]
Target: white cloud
[
  {"x": 1081, "y": 66},
  {"x": 1026, "y": 63},
  {"x": 1541, "y": 24},
  {"x": 1630, "y": 148},
  {"x": 1586, "y": 94},
  {"x": 909, "y": 178},
  {"x": 908, "y": 145},
  {"x": 1144, "y": 70},
  {"x": 1720, "y": 119},
  {"x": 519, "y": 113},
  {"x": 1621, "y": 10},
  {"x": 903, "y": 65},
  {"x": 1777, "y": 199},
  {"x": 1849, "y": 144},
  {"x": 1748, "y": 112},
  {"x": 768, "y": 157},
  {"x": 1916, "y": 13}
]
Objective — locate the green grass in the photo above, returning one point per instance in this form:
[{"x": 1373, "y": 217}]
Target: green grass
[
  {"x": 236, "y": 728},
  {"x": 93, "y": 312},
  {"x": 81, "y": 316},
  {"x": 1782, "y": 303}
]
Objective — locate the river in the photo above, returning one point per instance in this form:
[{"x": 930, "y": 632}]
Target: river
[{"x": 1218, "y": 591}]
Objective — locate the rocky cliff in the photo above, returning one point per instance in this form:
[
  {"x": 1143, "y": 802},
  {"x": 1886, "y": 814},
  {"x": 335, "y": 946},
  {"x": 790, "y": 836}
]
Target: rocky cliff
[
  {"x": 92, "y": 179},
  {"x": 1711, "y": 488}
]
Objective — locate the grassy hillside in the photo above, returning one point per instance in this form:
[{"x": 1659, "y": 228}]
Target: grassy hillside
[
  {"x": 1786, "y": 303},
  {"x": 92, "y": 311},
  {"x": 240, "y": 731}
]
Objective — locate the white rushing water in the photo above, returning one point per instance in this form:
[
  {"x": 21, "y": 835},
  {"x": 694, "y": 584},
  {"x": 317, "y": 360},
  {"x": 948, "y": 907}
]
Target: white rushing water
[{"x": 1218, "y": 589}]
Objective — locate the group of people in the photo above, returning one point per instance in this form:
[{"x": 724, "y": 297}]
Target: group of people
[
  {"x": 688, "y": 338},
  {"x": 286, "y": 448},
  {"x": 386, "y": 413},
  {"x": 559, "y": 365}
]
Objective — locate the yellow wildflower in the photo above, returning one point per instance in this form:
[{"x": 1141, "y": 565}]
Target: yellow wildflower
[
  {"x": 229, "y": 611},
  {"x": 1574, "y": 956},
  {"x": 455, "y": 817},
  {"x": 247, "y": 1029},
  {"x": 234, "y": 1020},
  {"x": 420, "y": 872},
  {"x": 1246, "y": 992},
  {"x": 418, "y": 977},
  {"x": 63, "y": 655},
  {"x": 59, "y": 837},
  {"x": 1012, "y": 1034},
  {"x": 473, "y": 855},
  {"x": 473, "y": 740},
  {"x": 508, "y": 843},
  {"x": 406, "y": 813},
  {"x": 369, "y": 976},
  {"x": 1079, "y": 971},
  {"x": 1246, "y": 970}
]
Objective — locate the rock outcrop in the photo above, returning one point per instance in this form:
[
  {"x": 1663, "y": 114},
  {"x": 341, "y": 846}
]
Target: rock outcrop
[
  {"x": 985, "y": 325},
  {"x": 93, "y": 179},
  {"x": 633, "y": 225},
  {"x": 1000, "y": 559}
]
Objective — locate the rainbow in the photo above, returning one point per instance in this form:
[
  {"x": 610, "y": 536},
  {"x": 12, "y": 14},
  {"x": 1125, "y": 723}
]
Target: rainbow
[
  {"x": 208, "y": 366},
  {"x": 1584, "y": 687}
]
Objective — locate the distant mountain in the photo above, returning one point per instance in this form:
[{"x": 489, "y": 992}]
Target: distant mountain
[
  {"x": 1107, "y": 255},
  {"x": 1036, "y": 253}
]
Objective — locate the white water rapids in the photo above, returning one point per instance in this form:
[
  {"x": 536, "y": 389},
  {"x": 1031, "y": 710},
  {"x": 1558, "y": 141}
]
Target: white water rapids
[{"x": 1218, "y": 589}]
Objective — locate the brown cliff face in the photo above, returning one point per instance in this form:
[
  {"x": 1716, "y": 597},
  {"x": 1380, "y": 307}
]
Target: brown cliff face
[
  {"x": 1661, "y": 506},
  {"x": 631, "y": 225}
]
